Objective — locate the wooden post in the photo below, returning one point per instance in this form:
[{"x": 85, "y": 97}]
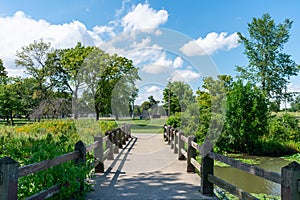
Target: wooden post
[
  {"x": 98, "y": 153},
  {"x": 110, "y": 145},
  {"x": 8, "y": 178},
  {"x": 119, "y": 136},
  {"x": 165, "y": 131},
  {"x": 81, "y": 160},
  {"x": 115, "y": 141},
  {"x": 180, "y": 146},
  {"x": 176, "y": 142},
  {"x": 168, "y": 134},
  {"x": 191, "y": 153},
  {"x": 123, "y": 137},
  {"x": 290, "y": 181},
  {"x": 207, "y": 167},
  {"x": 172, "y": 138}
]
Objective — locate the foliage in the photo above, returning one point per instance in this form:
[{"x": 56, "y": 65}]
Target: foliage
[
  {"x": 174, "y": 120},
  {"x": 107, "y": 125},
  {"x": 179, "y": 94},
  {"x": 246, "y": 118},
  {"x": 42, "y": 141},
  {"x": 268, "y": 66},
  {"x": 295, "y": 104},
  {"x": 284, "y": 128}
]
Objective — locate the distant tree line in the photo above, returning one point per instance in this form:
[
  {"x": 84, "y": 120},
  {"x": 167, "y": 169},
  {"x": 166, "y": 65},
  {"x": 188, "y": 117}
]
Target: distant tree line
[{"x": 60, "y": 82}]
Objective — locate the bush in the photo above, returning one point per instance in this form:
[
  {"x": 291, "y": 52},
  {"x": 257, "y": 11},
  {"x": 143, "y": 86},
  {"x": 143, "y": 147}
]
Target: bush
[
  {"x": 42, "y": 141},
  {"x": 284, "y": 128},
  {"x": 174, "y": 120},
  {"x": 107, "y": 125}
]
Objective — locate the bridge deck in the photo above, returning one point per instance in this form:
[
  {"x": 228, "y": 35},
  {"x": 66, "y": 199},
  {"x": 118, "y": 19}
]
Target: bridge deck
[{"x": 146, "y": 169}]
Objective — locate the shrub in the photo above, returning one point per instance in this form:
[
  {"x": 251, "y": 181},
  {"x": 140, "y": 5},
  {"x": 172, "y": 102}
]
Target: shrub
[
  {"x": 174, "y": 120},
  {"x": 107, "y": 125},
  {"x": 284, "y": 128},
  {"x": 42, "y": 141}
]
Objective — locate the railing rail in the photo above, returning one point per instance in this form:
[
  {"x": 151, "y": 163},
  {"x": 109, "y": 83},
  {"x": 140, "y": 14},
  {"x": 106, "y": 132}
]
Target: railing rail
[
  {"x": 10, "y": 170},
  {"x": 187, "y": 149}
]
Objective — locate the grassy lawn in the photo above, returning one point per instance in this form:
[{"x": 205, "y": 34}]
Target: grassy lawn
[{"x": 145, "y": 126}]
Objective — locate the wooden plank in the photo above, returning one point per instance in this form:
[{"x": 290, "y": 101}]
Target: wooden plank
[
  {"x": 195, "y": 145},
  {"x": 269, "y": 175},
  {"x": 184, "y": 153},
  {"x": 95, "y": 163},
  {"x": 183, "y": 138},
  {"x": 92, "y": 146},
  {"x": 45, "y": 194},
  {"x": 36, "y": 167},
  {"x": 106, "y": 138},
  {"x": 196, "y": 164},
  {"x": 241, "y": 194},
  {"x": 105, "y": 154}
]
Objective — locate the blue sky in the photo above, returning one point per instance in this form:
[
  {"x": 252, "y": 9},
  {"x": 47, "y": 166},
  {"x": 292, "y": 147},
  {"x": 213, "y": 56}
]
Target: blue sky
[{"x": 210, "y": 23}]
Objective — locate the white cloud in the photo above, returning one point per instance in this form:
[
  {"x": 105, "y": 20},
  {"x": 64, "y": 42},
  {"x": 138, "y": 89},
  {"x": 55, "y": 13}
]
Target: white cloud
[
  {"x": 104, "y": 30},
  {"x": 162, "y": 64},
  {"x": 185, "y": 75},
  {"x": 178, "y": 62},
  {"x": 142, "y": 16},
  {"x": 20, "y": 30},
  {"x": 293, "y": 88},
  {"x": 144, "y": 43},
  {"x": 210, "y": 44},
  {"x": 153, "y": 89}
]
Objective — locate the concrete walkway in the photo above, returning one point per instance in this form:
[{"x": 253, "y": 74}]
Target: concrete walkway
[{"x": 146, "y": 169}]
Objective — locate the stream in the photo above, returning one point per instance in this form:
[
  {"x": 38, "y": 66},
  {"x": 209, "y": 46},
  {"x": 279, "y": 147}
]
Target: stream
[{"x": 251, "y": 183}]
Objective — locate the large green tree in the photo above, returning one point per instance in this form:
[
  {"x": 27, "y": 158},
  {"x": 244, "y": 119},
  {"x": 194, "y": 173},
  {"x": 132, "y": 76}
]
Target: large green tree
[
  {"x": 268, "y": 66},
  {"x": 246, "y": 118},
  {"x": 71, "y": 62},
  {"x": 117, "y": 78},
  {"x": 35, "y": 58},
  {"x": 177, "y": 96}
]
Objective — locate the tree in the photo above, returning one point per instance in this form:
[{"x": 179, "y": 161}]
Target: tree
[
  {"x": 246, "y": 118},
  {"x": 3, "y": 72},
  {"x": 10, "y": 101},
  {"x": 211, "y": 102},
  {"x": 295, "y": 104},
  {"x": 71, "y": 62},
  {"x": 179, "y": 94},
  {"x": 268, "y": 66},
  {"x": 34, "y": 57},
  {"x": 117, "y": 78}
]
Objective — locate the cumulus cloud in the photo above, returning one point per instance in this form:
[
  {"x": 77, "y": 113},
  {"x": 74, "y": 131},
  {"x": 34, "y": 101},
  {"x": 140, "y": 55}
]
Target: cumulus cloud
[
  {"x": 185, "y": 75},
  {"x": 143, "y": 16},
  {"x": 210, "y": 44},
  {"x": 178, "y": 62},
  {"x": 153, "y": 89},
  {"x": 162, "y": 64},
  {"x": 20, "y": 30}
]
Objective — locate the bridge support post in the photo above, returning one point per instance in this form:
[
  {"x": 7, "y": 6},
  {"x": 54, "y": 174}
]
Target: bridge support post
[
  {"x": 172, "y": 137},
  {"x": 207, "y": 167},
  {"x": 110, "y": 146},
  {"x": 176, "y": 142},
  {"x": 98, "y": 153},
  {"x": 191, "y": 153},
  {"x": 8, "y": 178},
  {"x": 290, "y": 181},
  {"x": 180, "y": 146},
  {"x": 81, "y": 160}
]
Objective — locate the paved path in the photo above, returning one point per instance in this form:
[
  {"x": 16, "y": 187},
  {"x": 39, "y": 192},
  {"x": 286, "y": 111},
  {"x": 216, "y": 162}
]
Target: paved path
[{"x": 146, "y": 169}]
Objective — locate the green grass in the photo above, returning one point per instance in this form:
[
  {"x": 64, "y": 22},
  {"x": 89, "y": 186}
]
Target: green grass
[{"x": 145, "y": 126}]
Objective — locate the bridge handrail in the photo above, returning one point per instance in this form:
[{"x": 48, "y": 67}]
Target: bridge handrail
[
  {"x": 187, "y": 149},
  {"x": 103, "y": 147}
]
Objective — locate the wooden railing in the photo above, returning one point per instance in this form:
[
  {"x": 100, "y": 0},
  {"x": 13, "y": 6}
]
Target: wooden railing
[
  {"x": 188, "y": 149},
  {"x": 103, "y": 147}
]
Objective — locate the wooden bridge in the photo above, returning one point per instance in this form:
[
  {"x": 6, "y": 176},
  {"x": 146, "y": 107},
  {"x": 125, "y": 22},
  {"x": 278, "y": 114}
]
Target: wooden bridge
[{"x": 148, "y": 166}]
